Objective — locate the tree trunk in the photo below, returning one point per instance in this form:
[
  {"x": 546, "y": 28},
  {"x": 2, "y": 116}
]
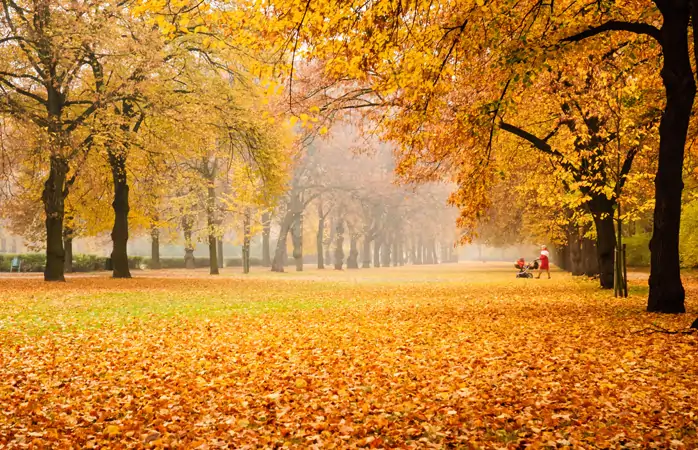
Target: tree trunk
[
  {"x": 246, "y": 242},
  {"x": 395, "y": 252},
  {"x": 297, "y": 239},
  {"x": 68, "y": 245},
  {"x": 339, "y": 249},
  {"x": 155, "y": 248},
  {"x": 434, "y": 253},
  {"x": 366, "y": 264},
  {"x": 561, "y": 256},
  {"x": 575, "y": 250},
  {"x": 266, "y": 234},
  {"x": 221, "y": 259},
  {"x": 605, "y": 245},
  {"x": 120, "y": 204},
  {"x": 353, "y": 260},
  {"x": 328, "y": 244},
  {"x": 377, "y": 252},
  {"x": 53, "y": 198},
  {"x": 279, "y": 261},
  {"x": 385, "y": 252},
  {"x": 320, "y": 237},
  {"x": 590, "y": 260},
  {"x": 211, "y": 222},
  {"x": 187, "y": 224},
  {"x": 212, "y": 255},
  {"x": 666, "y": 292},
  {"x": 400, "y": 252}
]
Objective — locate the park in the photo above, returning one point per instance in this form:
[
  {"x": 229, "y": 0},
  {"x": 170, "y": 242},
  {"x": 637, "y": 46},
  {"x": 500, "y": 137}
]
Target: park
[
  {"x": 348, "y": 224},
  {"x": 453, "y": 355}
]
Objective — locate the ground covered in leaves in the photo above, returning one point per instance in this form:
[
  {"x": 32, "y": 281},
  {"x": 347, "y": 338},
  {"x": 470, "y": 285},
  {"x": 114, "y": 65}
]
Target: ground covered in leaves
[{"x": 452, "y": 356}]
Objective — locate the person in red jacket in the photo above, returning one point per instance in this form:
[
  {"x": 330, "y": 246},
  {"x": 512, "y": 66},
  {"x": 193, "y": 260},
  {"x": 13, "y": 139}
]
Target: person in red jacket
[{"x": 544, "y": 262}]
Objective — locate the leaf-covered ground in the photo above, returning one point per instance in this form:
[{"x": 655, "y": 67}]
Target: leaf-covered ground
[{"x": 453, "y": 356}]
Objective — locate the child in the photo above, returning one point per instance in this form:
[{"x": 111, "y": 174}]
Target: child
[
  {"x": 544, "y": 262},
  {"x": 520, "y": 263}
]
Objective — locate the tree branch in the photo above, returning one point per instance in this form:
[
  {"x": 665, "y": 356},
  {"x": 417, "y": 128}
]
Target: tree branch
[{"x": 617, "y": 25}]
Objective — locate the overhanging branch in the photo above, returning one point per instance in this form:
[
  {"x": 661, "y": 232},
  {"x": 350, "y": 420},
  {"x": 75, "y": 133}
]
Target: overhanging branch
[{"x": 617, "y": 25}]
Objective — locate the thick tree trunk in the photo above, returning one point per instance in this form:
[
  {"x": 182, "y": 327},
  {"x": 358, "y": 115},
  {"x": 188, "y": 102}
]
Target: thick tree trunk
[
  {"x": 605, "y": 247},
  {"x": 155, "y": 248},
  {"x": 53, "y": 198},
  {"x": 187, "y": 224},
  {"x": 353, "y": 260},
  {"x": 221, "y": 258},
  {"x": 666, "y": 292},
  {"x": 339, "y": 249},
  {"x": 366, "y": 264},
  {"x": 279, "y": 261},
  {"x": 266, "y": 234},
  {"x": 120, "y": 204}
]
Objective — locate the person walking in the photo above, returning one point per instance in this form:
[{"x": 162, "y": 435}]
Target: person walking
[{"x": 544, "y": 262}]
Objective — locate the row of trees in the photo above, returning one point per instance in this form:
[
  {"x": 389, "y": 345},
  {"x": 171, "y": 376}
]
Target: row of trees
[
  {"x": 573, "y": 103},
  {"x": 96, "y": 104},
  {"x": 110, "y": 126},
  {"x": 460, "y": 86}
]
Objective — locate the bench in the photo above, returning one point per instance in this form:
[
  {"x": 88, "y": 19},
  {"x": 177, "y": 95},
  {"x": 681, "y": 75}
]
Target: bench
[{"x": 16, "y": 263}]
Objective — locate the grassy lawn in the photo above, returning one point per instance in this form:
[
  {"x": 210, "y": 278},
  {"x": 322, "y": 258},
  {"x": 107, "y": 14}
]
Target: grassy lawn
[{"x": 460, "y": 356}]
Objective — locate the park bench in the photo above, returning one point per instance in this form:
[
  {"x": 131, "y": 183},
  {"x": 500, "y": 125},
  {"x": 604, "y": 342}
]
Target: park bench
[{"x": 16, "y": 263}]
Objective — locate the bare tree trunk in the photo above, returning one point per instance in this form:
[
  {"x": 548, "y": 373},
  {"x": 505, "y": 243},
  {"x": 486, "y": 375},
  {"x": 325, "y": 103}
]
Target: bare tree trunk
[
  {"x": 353, "y": 260},
  {"x": 120, "y": 204},
  {"x": 221, "y": 259},
  {"x": 187, "y": 224},
  {"x": 279, "y": 261},
  {"x": 339, "y": 249},
  {"x": 396, "y": 256},
  {"x": 667, "y": 294},
  {"x": 366, "y": 263},
  {"x": 266, "y": 233},
  {"x": 53, "y": 197},
  {"x": 155, "y": 247}
]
